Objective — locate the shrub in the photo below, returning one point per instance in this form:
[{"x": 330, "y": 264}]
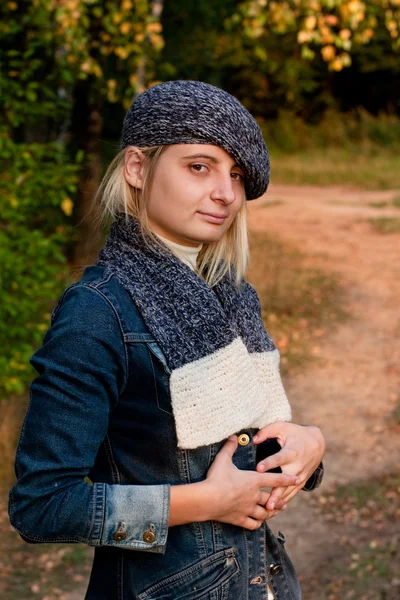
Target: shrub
[{"x": 37, "y": 182}]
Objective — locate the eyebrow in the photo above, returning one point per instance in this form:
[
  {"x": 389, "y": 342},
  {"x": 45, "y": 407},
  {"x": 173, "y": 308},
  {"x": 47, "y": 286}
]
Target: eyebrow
[{"x": 212, "y": 158}]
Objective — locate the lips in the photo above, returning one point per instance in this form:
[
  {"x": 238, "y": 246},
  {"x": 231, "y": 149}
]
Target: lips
[
  {"x": 217, "y": 219},
  {"x": 217, "y": 216}
]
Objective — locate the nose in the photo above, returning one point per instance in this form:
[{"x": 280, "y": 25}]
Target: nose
[{"x": 223, "y": 190}]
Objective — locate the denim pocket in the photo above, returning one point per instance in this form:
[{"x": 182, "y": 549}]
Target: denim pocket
[
  {"x": 207, "y": 579},
  {"x": 162, "y": 377}
]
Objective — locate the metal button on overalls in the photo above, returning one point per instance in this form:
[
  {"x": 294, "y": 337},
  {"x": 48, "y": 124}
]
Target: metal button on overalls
[{"x": 243, "y": 439}]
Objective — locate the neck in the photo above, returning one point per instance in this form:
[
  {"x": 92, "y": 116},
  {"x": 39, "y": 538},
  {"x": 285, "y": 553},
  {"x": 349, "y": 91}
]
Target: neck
[{"x": 187, "y": 254}]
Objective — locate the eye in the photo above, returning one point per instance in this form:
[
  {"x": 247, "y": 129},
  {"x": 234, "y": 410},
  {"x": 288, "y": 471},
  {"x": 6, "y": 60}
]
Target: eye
[
  {"x": 197, "y": 167},
  {"x": 238, "y": 176}
]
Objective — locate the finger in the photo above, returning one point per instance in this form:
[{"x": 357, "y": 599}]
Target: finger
[
  {"x": 274, "y": 498},
  {"x": 260, "y": 513},
  {"x": 252, "y": 524},
  {"x": 263, "y": 499},
  {"x": 230, "y": 446},
  {"x": 294, "y": 490},
  {"x": 283, "y": 457},
  {"x": 269, "y": 431},
  {"x": 276, "y": 480}
]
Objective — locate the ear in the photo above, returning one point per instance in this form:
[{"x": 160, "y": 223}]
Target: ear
[{"x": 134, "y": 163}]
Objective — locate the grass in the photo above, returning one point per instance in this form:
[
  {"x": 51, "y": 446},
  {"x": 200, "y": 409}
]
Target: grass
[
  {"x": 395, "y": 203},
  {"x": 334, "y": 166},
  {"x": 366, "y": 564},
  {"x": 270, "y": 203},
  {"x": 386, "y": 224},
  {"x": 300, "y": 304}
]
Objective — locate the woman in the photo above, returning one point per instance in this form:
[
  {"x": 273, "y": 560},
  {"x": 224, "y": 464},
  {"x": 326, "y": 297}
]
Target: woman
[{"x": 157, "y": 381}]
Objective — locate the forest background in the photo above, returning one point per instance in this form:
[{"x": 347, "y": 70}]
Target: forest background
[{"x": 321, "y": 77}]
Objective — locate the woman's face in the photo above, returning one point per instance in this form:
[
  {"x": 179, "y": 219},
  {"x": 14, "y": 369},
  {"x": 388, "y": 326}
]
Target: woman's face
[{"x": 196, "y": 193}]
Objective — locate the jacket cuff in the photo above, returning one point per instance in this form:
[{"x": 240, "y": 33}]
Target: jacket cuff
[
  {"x": 315, "y": 480},
  {"x": 135, "y": 516}
]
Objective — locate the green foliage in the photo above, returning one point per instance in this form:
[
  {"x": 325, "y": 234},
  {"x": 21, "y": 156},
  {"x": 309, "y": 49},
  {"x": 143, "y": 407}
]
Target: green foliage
[
  {"x": 59, "y": 60},
  {"x": 35, "y": 228},
  {"x": 288, "y": 133},
  {"x": 48, "y": 48},
  {"x": 305, "y": 56}
]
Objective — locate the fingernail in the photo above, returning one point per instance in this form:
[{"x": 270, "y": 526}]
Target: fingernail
[
  {"x": 232, "y": 437},
  {"x": 255, "y": 438},
  {"x": 261, "y": 467},
  {"x": 272, "y": 506},
  {"x": 298, "y": 480}
]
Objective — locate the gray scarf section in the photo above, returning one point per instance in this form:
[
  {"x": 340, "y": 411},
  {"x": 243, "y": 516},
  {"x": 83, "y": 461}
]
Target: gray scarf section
[{"x": 188, "y": 319}]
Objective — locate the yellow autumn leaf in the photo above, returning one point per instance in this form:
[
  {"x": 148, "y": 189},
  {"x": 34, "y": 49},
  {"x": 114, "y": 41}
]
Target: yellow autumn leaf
[
  {"x": 121, "y": 52},
  {"x": 125, "y": 28},
  {"x": 14, "y": 202},
  {"x": 331, "y": 20},
  {"x": 345, "y": 59},
  {"x": 310, "y": 22},
  {"x": 345, "y": 34},
  {"x": 133, "y": 79},
  {"x": 97, "y": 70},
  {"x": 66, "y": 206},
  {"x": 12, "y": 5},
  {"x": 336, "y": 65},
  {"x": 328, "y": 53},
  {"x": 304, "y": 36},
  {"x": 355, "y": 6},
  {"x": 154, "y": 28}
]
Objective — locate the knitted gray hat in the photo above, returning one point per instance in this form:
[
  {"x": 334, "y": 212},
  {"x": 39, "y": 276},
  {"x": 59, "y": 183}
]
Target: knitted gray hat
[{"x": 192, "y": 112}]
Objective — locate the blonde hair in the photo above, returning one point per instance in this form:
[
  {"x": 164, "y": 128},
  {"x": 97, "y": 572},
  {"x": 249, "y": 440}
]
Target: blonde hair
[{"x": 115, "y": 195}]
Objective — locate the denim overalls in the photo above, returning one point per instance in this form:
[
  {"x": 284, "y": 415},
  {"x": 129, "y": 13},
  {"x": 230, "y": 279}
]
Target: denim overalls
[{"x": 98, "y": 452}]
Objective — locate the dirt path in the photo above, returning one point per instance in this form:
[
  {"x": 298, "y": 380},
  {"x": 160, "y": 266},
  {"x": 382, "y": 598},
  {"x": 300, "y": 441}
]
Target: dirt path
[{"x": 351, "y": 393}]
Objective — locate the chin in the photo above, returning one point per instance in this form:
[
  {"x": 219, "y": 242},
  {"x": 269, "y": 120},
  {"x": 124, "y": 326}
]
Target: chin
[{"x": 209, "y": 237}]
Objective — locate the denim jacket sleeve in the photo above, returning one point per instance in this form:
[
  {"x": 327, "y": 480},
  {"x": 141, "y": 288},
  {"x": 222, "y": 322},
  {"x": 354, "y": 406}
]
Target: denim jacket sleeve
[{"x": 81, "y": 372}]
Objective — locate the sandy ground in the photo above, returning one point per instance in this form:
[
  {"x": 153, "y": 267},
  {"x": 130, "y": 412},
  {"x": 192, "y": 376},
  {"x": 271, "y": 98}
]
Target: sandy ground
[{"x": 352, "y": 391}]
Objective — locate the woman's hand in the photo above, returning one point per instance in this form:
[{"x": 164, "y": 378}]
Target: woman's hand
[
  {"x": 302, "y": 450},
  {"x": 235, "y": 496}
]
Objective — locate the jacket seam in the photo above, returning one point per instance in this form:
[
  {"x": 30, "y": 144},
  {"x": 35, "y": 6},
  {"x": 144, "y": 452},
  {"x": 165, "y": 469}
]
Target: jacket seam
[
  {"x": 90, "y": 286},
  {"x": 111, "y": 460}
]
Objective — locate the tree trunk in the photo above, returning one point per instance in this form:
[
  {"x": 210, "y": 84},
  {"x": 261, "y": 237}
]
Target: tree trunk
[
  {"x": 88, "y": 126},
  {"x": 156, "y": 10}
]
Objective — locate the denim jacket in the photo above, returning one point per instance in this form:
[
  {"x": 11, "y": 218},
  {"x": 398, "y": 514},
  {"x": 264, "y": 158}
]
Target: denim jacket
[{"x": 97, "y": 455}]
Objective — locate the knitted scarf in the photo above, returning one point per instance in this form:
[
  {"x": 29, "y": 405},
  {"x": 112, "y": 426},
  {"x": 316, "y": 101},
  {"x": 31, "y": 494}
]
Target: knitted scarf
[{"x": 224, "y": 366}]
